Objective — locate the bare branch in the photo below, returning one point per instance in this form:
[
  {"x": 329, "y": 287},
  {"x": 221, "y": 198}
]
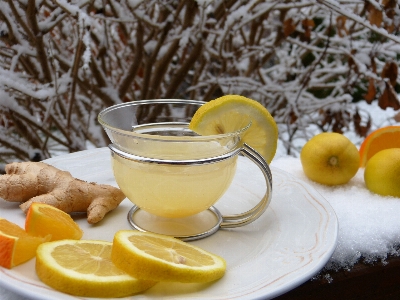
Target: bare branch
[{"x": 38, "y": 40}]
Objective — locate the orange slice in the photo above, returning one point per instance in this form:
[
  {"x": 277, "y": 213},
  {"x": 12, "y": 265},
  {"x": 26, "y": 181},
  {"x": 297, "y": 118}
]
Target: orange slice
[
  {"x": 43, "y": 219},
  {"x": 380, "y": 139},
  {"x": 17, "y": 246}
]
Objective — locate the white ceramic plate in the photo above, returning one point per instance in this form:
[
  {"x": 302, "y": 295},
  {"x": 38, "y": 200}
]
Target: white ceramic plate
[{"x": 285, "y": 247}]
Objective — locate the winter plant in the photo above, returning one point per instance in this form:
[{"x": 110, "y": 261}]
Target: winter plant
[{"x": 307, "y": 61}]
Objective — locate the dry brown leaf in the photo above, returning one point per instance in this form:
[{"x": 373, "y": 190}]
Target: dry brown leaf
[
  {"x": 288, "y": 27},
  {"x": 327, "y": 117},
  {"x": 373, "y": 64},
  {"x": 390, "y": 71},
  {"x": 352, "y": 64},
  {"x": 341, "y": 26},
  {"x": 389, "y": 6},
  {"x": 389, "y": 98},
  {"x": 292, "y": 117},
  {"x": 371, "y": 93},
  {"x": 308, "y": 25},
  {"x": 390, "y": 27},
  {"x": 375, "y": 15},
  {"x": 396, "y": 117},
  {"x": 360, "y": 129},
  {"x": 122, "y": 36}
]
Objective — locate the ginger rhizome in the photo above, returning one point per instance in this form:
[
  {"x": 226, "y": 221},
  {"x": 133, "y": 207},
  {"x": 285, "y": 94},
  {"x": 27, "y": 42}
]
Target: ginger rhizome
[{"x": 30, "y": 182}]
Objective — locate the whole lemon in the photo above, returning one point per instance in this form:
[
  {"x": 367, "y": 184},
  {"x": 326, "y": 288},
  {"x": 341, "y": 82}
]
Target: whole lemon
[
  {"x": 330, "y": 158},
  {"x": 382, "y": 173}
]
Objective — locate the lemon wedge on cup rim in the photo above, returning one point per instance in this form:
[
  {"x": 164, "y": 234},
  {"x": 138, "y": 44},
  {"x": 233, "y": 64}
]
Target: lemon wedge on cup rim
[
  {"x": 84, "y": 268},
  {"x": 231, "y": 113}
]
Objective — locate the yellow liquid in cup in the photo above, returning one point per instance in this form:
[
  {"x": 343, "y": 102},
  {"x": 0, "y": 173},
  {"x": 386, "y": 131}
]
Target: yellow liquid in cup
[{"x": 174, "y": 191}]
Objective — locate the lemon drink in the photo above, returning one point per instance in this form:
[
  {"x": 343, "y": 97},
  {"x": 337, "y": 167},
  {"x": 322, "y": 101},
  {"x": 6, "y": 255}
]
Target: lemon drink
[
  {"x": 177, "y": 174},
  {"x": 174, "y": 190}
]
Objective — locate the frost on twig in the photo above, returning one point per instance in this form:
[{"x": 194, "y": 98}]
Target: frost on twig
[{"x": 307, "y": 61}]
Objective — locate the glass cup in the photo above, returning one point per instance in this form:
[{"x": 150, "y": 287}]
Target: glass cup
[{"x": 170, "y": 172}]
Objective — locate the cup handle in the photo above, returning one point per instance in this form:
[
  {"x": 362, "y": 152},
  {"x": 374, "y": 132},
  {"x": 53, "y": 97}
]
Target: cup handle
[{"x": 237, "y": 220}]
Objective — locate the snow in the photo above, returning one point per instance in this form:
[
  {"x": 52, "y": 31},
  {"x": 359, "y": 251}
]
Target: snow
[
  {"x": 204, "y": 3},
  {"x": 369, "y": 224},
  {"x": 150, "y": 46},
  {"x": 134, "y": 3},
  {"x": 87, "y": 54},
  {"x": 185, "y": 36},
  {"x": 73, "y": 9}
]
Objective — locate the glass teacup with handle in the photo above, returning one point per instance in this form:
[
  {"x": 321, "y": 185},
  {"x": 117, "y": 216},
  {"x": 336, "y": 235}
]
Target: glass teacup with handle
[{"x": 172, "y": 175}]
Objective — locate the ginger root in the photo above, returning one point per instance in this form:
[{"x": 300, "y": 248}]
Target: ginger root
[{"x": 30, "y": 182}]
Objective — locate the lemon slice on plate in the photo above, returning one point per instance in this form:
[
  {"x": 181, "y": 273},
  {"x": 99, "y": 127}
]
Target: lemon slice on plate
[
  {"x": 230, "y": 113},
  {"x": 84, "y": 268},
  {"x": 164, "y": 258}
]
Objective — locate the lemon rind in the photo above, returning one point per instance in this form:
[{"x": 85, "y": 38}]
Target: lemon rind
[{"x": 248, "y": 108}]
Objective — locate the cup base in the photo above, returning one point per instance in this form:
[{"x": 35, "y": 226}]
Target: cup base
[{"x": 189, "y": 228}]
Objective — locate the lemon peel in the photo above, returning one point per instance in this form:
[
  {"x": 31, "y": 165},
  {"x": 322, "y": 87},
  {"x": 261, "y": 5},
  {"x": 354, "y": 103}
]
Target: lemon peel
[
  {"x": 163, "y": 258},
  {"x": 231, "y": 113},
  {"x": 330, "y": 158},
  {"x": 382, "y": 173},
  {"x": 84, "y": 268}
]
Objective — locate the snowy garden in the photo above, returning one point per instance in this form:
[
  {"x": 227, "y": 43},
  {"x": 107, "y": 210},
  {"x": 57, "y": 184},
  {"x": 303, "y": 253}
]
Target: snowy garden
[{"x": 317, "y": 65}]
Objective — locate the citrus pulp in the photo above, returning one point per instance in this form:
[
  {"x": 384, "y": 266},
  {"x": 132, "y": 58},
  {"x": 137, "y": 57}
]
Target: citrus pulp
[
  {"x": 231, "y": 113},
  {"x": 84, "y": 268},
  {"x": 163, "y": 258}
]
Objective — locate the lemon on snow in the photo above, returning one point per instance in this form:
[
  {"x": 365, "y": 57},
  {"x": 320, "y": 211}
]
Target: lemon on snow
[
  {"x": 382, "y": 173},
  {"x": 330, "y": 158}
]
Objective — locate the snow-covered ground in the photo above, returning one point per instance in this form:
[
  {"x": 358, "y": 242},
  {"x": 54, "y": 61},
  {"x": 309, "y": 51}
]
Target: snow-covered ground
[{"x": 369, "y": 226}]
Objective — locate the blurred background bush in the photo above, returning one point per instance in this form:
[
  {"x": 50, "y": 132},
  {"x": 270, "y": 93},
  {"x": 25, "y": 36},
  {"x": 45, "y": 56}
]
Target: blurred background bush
[{"x": 307, "y": 62}]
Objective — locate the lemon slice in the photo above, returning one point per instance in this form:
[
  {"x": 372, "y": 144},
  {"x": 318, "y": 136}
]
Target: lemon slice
[
  {"x": 233, "y": 112},
  {"x": 164, "y": 258},
  {"x": 84, "y": 268}
]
